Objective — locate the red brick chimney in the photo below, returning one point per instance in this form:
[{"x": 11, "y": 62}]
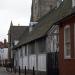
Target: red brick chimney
[{"x": 5, "y": 43}]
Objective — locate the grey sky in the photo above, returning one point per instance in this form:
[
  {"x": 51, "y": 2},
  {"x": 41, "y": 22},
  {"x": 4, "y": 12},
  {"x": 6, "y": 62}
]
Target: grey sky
[{"x": 18, "y": 11}]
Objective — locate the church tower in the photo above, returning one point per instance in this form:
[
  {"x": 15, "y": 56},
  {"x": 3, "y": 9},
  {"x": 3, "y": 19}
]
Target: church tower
[{"x": 41, "y": 7}]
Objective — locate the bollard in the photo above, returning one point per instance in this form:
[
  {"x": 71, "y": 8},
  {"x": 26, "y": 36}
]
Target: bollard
[
  {"x": 11, "y": 68},
  {"x": 6, "y": 67},
  {"x": 19, "y": 70},
  {"x": 33, "y": 71},
  {"x": 25, "y": 70},
  {"x": 15, "y": 70}
]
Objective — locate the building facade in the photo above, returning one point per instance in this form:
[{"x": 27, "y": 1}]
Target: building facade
[
  {"x": 67, "y": 46},
  {"x": 14, "y": 34},
  {"x": 3, "y": 53},
  {"x": 49, "y": 46}
]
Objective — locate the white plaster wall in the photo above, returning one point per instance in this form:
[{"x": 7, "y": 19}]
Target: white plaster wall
[
  {"x": 25, "y": 62},
  {"x": 17, "y": 58},
  {"x": 20, "y": 58},
  {"x": 42, "y": 62},
  {"x": 5, "y": 53},
  {"x": 32, "y": 62},
  {"x": 20, "y": 62},
  {"x": 25, "y": 58}
]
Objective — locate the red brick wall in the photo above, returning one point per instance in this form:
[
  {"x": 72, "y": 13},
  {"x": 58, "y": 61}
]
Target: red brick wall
[{"x": 66, "y": 66}]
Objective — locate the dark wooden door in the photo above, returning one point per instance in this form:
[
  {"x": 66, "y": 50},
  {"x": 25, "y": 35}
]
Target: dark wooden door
[{"x": 52, "y": 63}]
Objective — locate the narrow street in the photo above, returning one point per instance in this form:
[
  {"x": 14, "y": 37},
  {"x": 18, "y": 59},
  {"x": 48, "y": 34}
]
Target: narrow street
[{"x": 3, "y": 71}]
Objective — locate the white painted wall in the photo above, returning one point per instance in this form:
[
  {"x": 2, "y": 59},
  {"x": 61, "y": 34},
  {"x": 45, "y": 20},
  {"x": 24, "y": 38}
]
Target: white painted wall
[
  {"x": 17, "y": 58},
  {"x": 42, "y": 62},
  {"x": 3, "y": 53},
  {"x": 23, "y": 61},
  {"x": 20, "y": 62},
  {"x": 32, "y": 62}
]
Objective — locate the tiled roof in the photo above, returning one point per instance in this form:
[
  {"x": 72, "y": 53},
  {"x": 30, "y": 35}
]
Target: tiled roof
[
  {"x": 16, "y": 31},
  {"x": 46, "y": 22}
]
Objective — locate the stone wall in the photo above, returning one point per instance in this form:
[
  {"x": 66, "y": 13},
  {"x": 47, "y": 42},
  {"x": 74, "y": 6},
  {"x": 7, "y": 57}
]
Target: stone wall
[{"x": 41, "y": 7}]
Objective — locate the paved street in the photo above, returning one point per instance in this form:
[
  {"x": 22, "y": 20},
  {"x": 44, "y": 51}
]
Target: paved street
[{"x": 4, "y": 72}]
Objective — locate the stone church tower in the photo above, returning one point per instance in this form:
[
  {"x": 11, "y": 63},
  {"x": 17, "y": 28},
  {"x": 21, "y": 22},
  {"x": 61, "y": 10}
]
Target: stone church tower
[{"x": 41, "y": 7}]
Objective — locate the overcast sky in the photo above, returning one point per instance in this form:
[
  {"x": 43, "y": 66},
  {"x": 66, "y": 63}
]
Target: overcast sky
[{"x": 18, "y": 11}]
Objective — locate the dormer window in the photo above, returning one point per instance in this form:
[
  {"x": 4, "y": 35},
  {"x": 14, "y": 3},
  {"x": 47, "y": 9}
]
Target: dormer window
[
  {"x": 32, "y": 24},
  {"x": 73, "y": 3}
]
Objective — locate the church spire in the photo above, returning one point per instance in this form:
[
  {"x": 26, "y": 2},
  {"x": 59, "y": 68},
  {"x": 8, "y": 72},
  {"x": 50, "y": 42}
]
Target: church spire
[{"x": 11, "y": 24}]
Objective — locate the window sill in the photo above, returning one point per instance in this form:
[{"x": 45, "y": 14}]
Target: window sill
[{"x": 67, "y": 57}]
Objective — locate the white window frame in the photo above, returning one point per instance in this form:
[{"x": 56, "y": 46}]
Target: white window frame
[
  {"x": 73, "y": 3},
  {"x": 65, "y": 51}
]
